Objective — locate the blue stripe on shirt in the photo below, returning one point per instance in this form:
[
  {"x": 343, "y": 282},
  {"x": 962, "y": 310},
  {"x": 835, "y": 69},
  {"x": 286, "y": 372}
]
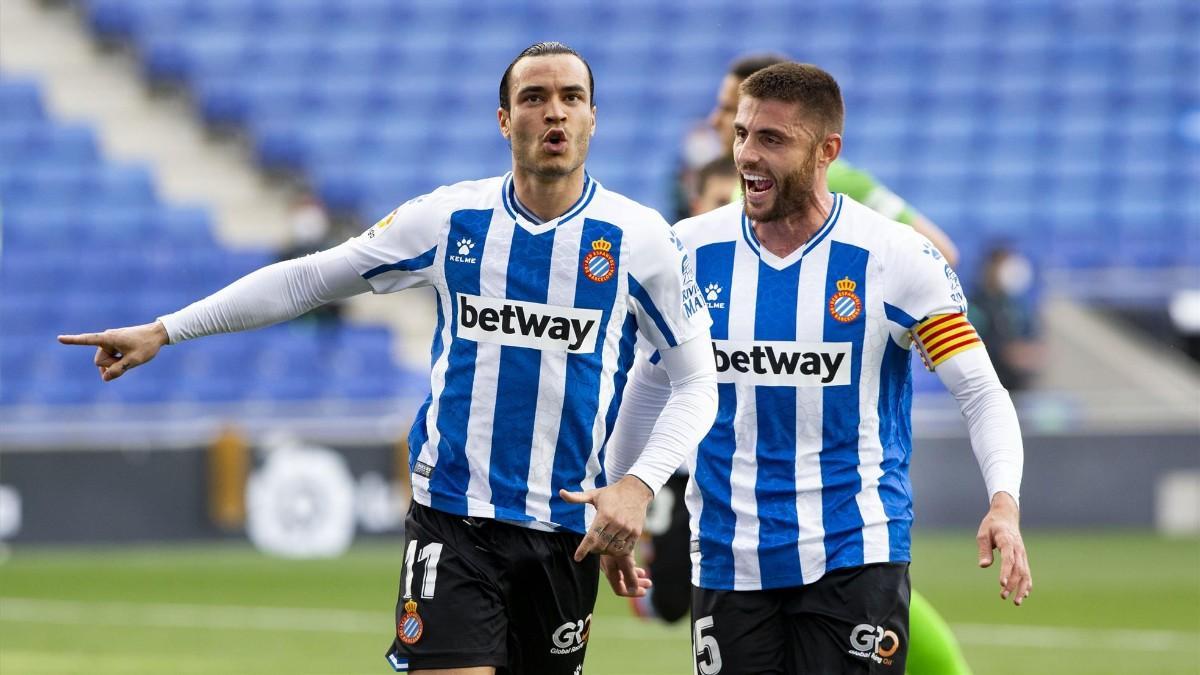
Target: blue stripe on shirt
[
  {"x": 714, "y": 463},
  {"x": 775, "y": 451},
  {"x": 517, "y": 383},
  {"x": 410, "y": 265},
  {"x": 898, "y": 316},
  {"x": 420, "y": 428},
  {"x": 895, "y": 436},
  {"x": 626, "y": 353},
  {"x": 643, "y": 298},
  {"x": 448, "y": 484},
  {"x": 839, "y": 450},
  {"x": 575, "y": 442}
]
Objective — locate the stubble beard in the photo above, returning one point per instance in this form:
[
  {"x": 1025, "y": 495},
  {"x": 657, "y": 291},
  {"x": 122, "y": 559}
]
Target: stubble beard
[
  {"x": 555, "y": 166},
  {"x": 794, "y": 192}
]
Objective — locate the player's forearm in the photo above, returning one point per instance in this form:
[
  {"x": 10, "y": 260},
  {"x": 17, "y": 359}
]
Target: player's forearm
[
  {"x": 645, "y": 395},
  {"x": 991, "y": 420},
  {"x": 686, "y": 417},
  {"x": 268, "y": 296}
]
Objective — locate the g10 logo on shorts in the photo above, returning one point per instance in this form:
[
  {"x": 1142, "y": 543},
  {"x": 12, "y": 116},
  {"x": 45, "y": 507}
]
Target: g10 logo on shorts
[
  {"x": 571, "y": 636},
  {"x": 874, "y": 642}
]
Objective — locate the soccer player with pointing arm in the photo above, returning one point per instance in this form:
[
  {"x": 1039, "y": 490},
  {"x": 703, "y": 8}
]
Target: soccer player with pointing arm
[{"x": 545, "y": 280}]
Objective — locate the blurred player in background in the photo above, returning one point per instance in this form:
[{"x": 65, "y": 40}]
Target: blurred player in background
[
  {"x": 715, "y": 183},
  {"x": 545, "y": 280},
  {"x": 800, "y": 503},
  {"x": 934, "y": 650}
]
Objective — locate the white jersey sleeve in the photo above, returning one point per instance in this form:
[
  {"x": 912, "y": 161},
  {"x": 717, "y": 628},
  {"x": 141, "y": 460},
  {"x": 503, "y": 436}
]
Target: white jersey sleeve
[
  {"x": 991, "y": 419},
  {"x": 398, "y": 252},
  {"x": 267, "y": 296},
  {"x": 928, "y": 307},
  {"x": 924, "y": 283},
  {"x": 665, "y": 298}
]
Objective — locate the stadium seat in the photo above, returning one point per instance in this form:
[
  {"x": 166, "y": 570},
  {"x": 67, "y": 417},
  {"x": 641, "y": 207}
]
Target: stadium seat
[
  {"x": 1057, "y": 124},
  {"x": 19, "y": 100}
]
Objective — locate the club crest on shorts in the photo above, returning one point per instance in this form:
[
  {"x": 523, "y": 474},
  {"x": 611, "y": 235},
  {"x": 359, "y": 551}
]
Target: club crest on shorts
[
  {"x": 410, "y": 627},
  {"x": 598, "y": 264},
  {"x": 845, "y": 306}
]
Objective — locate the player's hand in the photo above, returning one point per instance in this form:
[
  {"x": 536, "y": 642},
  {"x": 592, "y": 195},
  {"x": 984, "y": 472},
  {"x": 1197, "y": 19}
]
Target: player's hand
[
  {"x": 1001, "y": 529},
  {"x": 625, "y": 577},
  {"x": 620, "y": 516},
  {"x": 119, "y": 349}
]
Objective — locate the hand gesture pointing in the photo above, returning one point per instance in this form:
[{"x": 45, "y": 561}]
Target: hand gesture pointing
[{"x": 119, "y": 349}]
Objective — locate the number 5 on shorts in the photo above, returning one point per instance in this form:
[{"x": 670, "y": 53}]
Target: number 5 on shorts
[
  {"x": 430, "y": 555},
  {"x": 708, "y": 654}
]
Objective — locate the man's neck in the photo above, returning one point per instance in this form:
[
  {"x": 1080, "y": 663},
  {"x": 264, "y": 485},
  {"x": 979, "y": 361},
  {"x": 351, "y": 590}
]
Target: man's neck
[
  {"x": 548, "y": 197},
  {"x": 784, "y": 236}
]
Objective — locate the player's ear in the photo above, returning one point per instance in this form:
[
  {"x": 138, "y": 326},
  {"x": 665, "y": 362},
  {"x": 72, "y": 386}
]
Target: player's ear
[
  {"x": 505, "y": 120},
  {"x": 593, "y": 121},
  {"x": 831, "y": 148}
]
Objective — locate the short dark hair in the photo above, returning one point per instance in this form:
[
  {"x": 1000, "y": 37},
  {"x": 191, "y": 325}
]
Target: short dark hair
[
  {"x": 545, "y": 49},
  {"x": 814, "y": 89},
  {"x": 720, "y": 166},
  {"x": 752, "y": 63}
]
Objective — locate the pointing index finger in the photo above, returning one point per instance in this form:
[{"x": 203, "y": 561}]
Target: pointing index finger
[{"x": 92, "y": 339}]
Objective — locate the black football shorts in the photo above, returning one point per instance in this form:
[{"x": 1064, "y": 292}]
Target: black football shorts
[
  {"x": 852, "y": 620},
  {"x": 479, "y": 592}
]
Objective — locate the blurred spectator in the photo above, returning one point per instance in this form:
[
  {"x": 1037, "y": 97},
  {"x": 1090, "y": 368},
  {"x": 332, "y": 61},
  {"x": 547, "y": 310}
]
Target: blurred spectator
[
  {"x": 701, "y": 147},
  {"x": 309, "y": 231},
  {"x": 715, "y": 182},
  {"x": 1004, "y": 312},
  {"x": 309, "y": 228}
]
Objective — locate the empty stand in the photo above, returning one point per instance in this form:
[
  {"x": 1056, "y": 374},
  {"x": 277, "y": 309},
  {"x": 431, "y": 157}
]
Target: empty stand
[{"x": 89, "y": 245}]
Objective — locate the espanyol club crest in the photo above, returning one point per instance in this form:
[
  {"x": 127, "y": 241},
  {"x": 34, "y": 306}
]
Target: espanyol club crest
[
  {"x": 411, "y": 627},
  {"x": 598, "y": 264},
  {"x": 845, "y": 306}
]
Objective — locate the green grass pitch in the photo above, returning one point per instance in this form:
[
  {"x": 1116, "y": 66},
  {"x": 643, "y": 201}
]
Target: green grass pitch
[{"x": 1102, "y": 603}]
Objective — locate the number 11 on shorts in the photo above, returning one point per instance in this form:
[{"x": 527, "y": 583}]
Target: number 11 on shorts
[{"x": 429, "y": 555}]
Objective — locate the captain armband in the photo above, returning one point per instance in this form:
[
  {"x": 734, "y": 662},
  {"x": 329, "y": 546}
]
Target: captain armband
[{"x": 942, "y": 336}]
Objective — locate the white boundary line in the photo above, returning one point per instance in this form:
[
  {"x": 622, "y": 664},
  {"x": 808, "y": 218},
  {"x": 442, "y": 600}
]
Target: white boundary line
[{"x": 289, "y": 619}]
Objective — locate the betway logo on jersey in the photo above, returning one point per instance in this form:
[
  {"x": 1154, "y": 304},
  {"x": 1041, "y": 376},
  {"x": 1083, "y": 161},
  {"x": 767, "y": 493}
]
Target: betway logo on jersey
[
  {"x": 783, "y": 364},
  {"x": 515, "y": 323}
]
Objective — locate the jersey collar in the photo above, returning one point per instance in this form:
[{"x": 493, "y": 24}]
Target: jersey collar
[
  {"x": 775, "y": 261},
  {"x": 527, "y": 219}
]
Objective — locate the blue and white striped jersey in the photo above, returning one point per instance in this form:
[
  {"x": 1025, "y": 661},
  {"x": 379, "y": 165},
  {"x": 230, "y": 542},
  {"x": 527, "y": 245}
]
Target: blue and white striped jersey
[
  {"x": 806, "y": 467},
  {"x": 536, "y": 329}
]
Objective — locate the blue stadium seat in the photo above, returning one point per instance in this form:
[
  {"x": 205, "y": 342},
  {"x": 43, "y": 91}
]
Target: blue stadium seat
[
  {"x": 19, "y": 100},
  {"x": 1051, "y": 123}
]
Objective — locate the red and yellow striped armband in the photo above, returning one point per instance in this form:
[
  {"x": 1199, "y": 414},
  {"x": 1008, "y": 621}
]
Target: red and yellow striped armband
[{"x": 944, "y": 335}]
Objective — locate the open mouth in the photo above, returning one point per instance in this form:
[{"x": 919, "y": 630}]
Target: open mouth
[
  {"x": 555, "y": 141},
  {"x": 756, "y": 184}
]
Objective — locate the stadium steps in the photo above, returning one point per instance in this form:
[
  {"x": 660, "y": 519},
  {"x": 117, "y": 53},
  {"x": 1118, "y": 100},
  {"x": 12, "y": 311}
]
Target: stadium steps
[
  {"x": 1119, "y": 379},
  {"x": 83, "y": 83}
]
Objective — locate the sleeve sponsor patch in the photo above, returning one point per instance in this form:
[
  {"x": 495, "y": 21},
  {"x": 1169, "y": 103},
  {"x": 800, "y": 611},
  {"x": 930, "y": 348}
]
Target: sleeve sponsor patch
[{"x": 942, "y": 336}]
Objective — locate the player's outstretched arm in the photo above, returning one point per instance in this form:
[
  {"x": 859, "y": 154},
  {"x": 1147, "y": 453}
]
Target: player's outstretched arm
[
  {"x": 119, "y": 349},
  {"x": 266, "y": 296},
  {"x": 1001, "y": 530}
]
